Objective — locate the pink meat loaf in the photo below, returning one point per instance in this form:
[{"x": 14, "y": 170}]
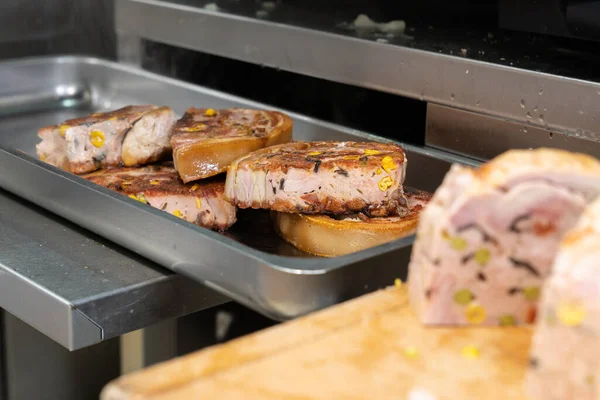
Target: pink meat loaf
[
  {"x": 487, "y": 240},
  {"x": 565, "y": 358}
]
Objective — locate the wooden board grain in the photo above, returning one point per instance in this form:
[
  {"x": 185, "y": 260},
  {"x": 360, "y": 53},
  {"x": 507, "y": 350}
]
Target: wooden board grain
[{"x": 369, "y": 348}]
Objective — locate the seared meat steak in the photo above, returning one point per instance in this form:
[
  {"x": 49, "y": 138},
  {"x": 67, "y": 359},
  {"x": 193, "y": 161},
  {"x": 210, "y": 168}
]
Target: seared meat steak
[
  {"x": 487, "y": 240},
  {"x": 206, "y": 141},
  {"x": 320, "y": 177},
  {"x": 130, "y": 136},
  {"x": 159, "y": 186}
]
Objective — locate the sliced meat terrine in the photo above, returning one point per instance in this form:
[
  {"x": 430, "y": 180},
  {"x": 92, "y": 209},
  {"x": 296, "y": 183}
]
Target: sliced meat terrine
[
  {"x": 565, "y": 358},
  {"x": 159, "y": 186},
  {"x": 487, "y": 239},
  {"x": 320, "y": 177},
  {"x": 331, "y": 236},
  {"x": 206, "y": 141},
  {"x": 130, "y": 136}
]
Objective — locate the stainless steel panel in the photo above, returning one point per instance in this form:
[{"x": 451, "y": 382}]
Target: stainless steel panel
[
  {"x": 483, "y": 137},
  {"x": 79, "y": 289},
  {"x": 526, "y": 96},
  {"x": 267, "y": 275},
  {"x": 38, "y": 368}
]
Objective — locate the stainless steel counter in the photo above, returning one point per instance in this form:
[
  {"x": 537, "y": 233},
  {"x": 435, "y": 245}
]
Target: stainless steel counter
[{"x": 78, "y": 288}]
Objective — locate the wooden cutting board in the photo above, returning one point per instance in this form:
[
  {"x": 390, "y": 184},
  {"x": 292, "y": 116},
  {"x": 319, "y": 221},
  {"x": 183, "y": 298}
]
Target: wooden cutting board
[{"x": 368, "y": 348}]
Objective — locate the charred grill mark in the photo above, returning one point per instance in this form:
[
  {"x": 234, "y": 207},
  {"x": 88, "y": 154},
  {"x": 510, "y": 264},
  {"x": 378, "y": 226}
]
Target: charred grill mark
[
  {"x": 312, "y": 191},
  {"x": 524, "y": 265},
  {"x": 341, "y": 172},
  {"x": 484, "y": 234},
  {"x": 281, "y": 183},
  {"x": 481, "y": 276},
  {"x": 274, "y": 190},
  {"x": 363, "y": 159},
  {"x": 164, "y": 206},
  {"x": 317, "y": 165},
  {"x": 513, "y": 226}
]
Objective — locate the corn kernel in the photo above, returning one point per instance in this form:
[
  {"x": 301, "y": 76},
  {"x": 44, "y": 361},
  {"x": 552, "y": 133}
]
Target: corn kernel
[
  {"x": 194, "y": 188},
  {"x": 210, "y": 112},
  {"x": 371, "y": 152},
  {"x": 177, "y": 213},
  {"x": 385, "y": 183},
  {"x": 43, "y": 157},
  {"x": 463, "y": 297},
  {"x": 125, "y": 183},
  {"x": 198, "y": 203},
  {"x": 388, "y": 164},
  {"x": 411, "y": 352},
  {"x": 154, "y": 182},
  {"x": 140, "y": 197},
  {"x": 531, "y": 293},
  {"x": 62, "y": 130},
  {"x": 458, "y": 243},
  {"x": 398, "y": 282},
  {"x": 482, "y": 256},
  {"x": 97, "y": 139},
  {"x": 314, "y": 153},
  {"x": 571, "y": 314},
  {"x": 379, "y": 171},
  {"x": 507, "y": 320},
  {"x": 355, "y": 157},
  {"x": 470, "y": 352},
  {"x": 475, "y": 314},
  {"x": 195, "y": 128},
  {"x": 112, "y": 119}
]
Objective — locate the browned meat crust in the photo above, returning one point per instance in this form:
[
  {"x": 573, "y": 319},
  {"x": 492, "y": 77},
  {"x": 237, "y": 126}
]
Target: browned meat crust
[
  {"x": 206, "y": 141},
  {"x": 159, "y": 185}
]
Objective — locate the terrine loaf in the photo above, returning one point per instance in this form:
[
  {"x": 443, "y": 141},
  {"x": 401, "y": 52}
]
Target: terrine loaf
[
  {"x": 487, "y": 240},
  {"x": 206, "y": 141},
  {"x": 130, "y": 136},
  {"x": 321, "y": 178},
  {"x": 565, "y": 357}
]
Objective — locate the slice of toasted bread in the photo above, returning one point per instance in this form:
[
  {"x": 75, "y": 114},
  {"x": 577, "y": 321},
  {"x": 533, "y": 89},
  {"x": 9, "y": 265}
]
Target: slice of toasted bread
[
  {"x": 206, "y": 141},
  {"x": 327, "y": 236}
]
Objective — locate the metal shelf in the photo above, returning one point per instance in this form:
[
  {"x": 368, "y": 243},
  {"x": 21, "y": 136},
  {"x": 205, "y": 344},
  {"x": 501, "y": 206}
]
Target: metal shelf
[
  {"x": 79, "y": 289},
  {"x": 550, "y": 101}
]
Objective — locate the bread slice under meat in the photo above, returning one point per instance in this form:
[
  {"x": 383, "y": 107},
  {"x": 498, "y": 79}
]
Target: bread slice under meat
[
  {"x": 159, "y": 186},
  {"x": 130, "y": 136},
  {"x": 320, "y": 178},
  {"x": 206, "y": 141},
  {"x": 327, "y": 236}
]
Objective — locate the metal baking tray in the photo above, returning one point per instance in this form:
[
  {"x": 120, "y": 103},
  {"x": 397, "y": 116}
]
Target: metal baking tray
[{"x": 249, "y": 263}]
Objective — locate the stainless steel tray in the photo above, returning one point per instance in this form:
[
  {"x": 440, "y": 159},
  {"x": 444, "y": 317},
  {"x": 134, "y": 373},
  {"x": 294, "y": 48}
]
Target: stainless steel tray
[{"x": 249, "y": 263}]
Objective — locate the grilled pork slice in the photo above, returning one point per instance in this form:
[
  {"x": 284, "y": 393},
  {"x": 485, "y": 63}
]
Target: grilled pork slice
[
  {"x": 487, "y": 240},
  {"x": 320, "y": 177},
  {"x": 327, "y": 236},
  {"x": 159, "y": 186},
  {"x": 130, "y": 136},
  {"x": 206, "y": 141},
  {"x": 565, "y": 357}
]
